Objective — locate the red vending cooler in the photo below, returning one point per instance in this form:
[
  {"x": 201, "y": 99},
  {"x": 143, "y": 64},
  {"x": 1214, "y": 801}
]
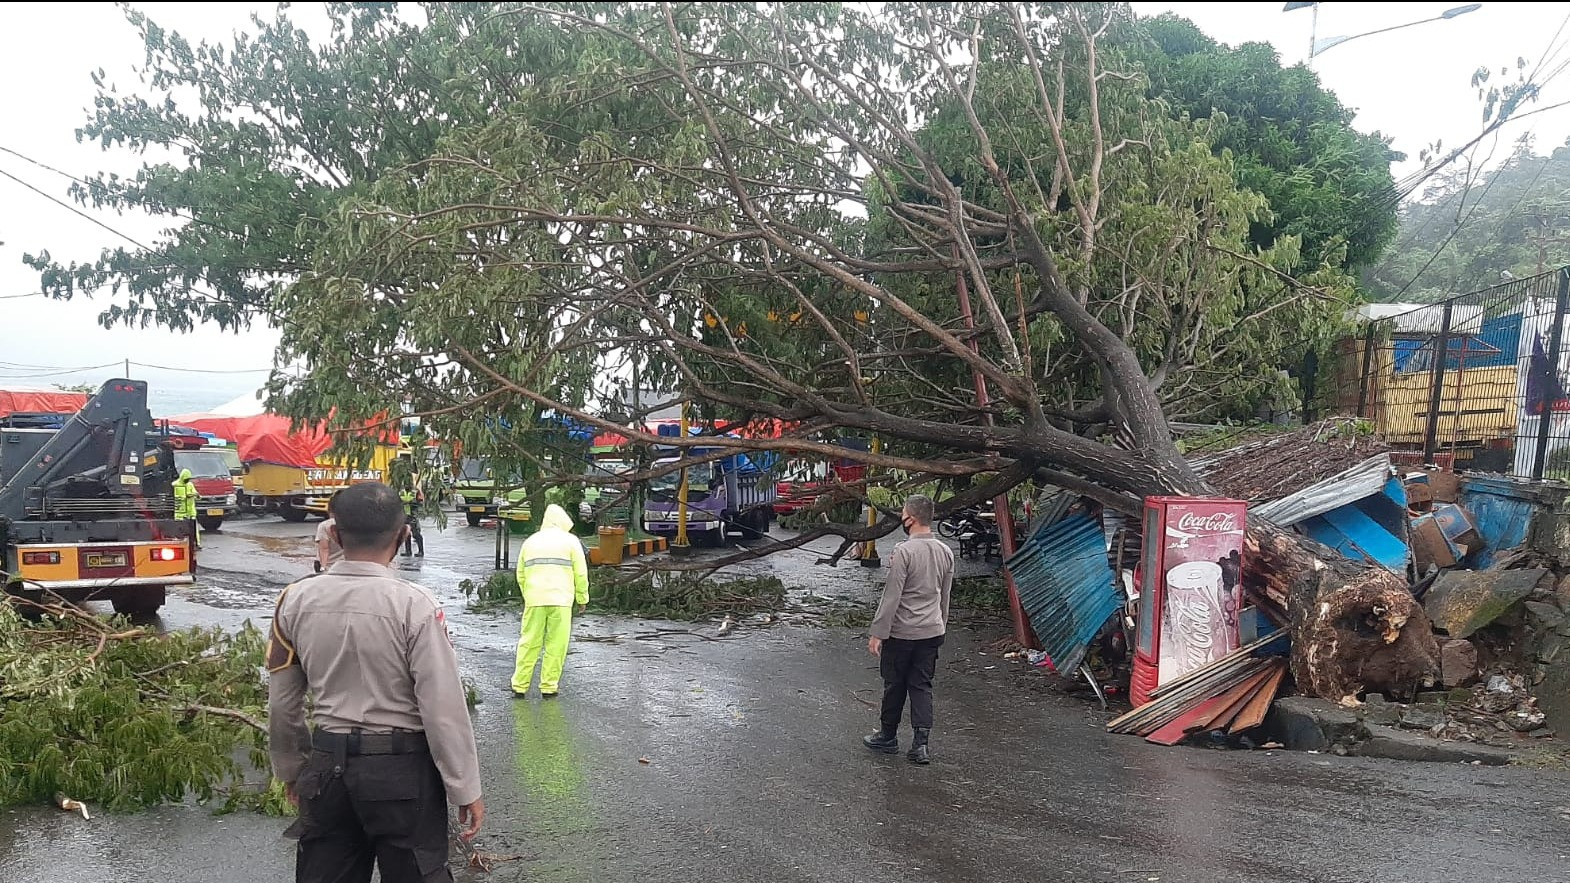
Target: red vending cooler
[{"x": 1191, "y": 588}]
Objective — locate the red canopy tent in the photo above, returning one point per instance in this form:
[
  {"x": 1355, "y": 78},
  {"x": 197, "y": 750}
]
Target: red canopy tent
[
  {"x": 268, "y": 438},
  {"x": 28, "y": 401},
  {"x": 263, "y": 438}
]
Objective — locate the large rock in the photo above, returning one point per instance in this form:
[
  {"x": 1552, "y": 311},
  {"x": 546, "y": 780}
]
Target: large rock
[
  {"x": 1457, "y": 662},
  {"x": 1463, "y": 601},
  {"x": 1543, "y": 616}
]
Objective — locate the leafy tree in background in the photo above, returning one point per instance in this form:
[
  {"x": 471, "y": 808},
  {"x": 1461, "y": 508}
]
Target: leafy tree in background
[
  {"x": 1472, "y": 229},
  {"x": 1328, "y": 184}
]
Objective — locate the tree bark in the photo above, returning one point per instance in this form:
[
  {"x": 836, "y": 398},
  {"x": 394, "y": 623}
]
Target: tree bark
[{"x": 1354, "y": 628}]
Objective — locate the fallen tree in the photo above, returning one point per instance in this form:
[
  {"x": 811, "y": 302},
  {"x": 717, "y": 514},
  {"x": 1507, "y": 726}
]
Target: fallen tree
[
  {"x": 966, "y": 230},
  {"x": 123, "y": 717}
]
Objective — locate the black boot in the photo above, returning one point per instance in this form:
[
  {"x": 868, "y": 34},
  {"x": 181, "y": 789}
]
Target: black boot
[
  {"x": 882, "y": 741},
  {"x": 918, "y": 748}
]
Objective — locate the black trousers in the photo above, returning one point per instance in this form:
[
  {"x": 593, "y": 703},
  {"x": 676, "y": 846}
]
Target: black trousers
[
  {"x": 386, "y": 810},
  {"x": 907, "y": 668},
  {"x": 414, "y": 535}
]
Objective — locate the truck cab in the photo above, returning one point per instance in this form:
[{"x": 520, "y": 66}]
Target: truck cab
[
  {"x": 735, "y": 494},
  {"x": 213, "y": 476},
  {"x": 87, "y": 509}
]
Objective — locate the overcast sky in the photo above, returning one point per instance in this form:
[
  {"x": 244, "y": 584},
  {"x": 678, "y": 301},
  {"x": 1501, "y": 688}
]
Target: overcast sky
[{"x": 1412, "y": 84}]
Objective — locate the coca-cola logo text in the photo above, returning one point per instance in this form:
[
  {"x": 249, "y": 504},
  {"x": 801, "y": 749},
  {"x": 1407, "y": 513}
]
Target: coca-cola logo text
[{"x": 1215, "y": 522}]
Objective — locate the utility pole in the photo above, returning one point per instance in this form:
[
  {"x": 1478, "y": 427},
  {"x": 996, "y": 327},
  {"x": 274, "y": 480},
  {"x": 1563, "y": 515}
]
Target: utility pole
[{"x": 127, "y": 369}]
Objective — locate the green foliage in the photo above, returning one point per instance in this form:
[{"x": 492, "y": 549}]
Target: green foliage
[
  {"x": 654, "y": 595},
  {"x": 1474, "y": 228},
  {"x": 500, "y": 589},
  {"x": 1290, "y": 140},
  {"x": 498, "y": 214},
  {"x": 1201, "y": 236},
  {"x": 122, "y": 726},
  {"x": 979, "y": 593}
]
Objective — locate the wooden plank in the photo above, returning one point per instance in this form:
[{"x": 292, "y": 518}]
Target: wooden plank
[
  {"x": 1180, "y": 697},
  {"x": 1254, "y": 713},
  {"x": 1174, "y": 732},
  {"x": 1199, "y": 674},
  {"x": 1236, "y": 698},
  {"x": 1166, "y": 710}
]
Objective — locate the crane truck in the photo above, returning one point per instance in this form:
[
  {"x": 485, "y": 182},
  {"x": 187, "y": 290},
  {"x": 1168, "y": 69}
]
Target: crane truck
[{"x": 87, "y": 508}]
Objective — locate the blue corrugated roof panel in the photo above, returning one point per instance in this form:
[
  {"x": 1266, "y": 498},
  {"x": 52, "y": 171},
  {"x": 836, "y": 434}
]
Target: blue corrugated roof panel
[{"x": 1066, "y": 586}]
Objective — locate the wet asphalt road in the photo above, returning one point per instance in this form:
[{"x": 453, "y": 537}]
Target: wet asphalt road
[{"x": 753, "y": 771}]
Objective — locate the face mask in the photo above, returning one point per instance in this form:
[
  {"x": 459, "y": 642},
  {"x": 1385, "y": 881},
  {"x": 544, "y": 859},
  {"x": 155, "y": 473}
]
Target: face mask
[{"x": 905, "y": 524}]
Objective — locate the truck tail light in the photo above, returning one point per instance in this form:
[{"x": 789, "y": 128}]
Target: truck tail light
[
  {"x": 168, "y": 553},
  {"x": 40, "y": 558}
]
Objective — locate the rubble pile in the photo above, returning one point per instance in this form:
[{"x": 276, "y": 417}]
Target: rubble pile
[
  {"x": 1441, "y": 591},
  {"x": 1277, "y": 467}
]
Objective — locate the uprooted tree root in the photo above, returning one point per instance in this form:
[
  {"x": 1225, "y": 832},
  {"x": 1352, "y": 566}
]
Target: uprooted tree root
[{"x": 125, "y": 717}]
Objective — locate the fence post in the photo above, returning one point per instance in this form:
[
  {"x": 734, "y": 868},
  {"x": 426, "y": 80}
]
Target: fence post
[
  {"x": 1556, "y": 336},
  {"x": 1436, "y": 392},
  {"x": 1368, "y": 370}
]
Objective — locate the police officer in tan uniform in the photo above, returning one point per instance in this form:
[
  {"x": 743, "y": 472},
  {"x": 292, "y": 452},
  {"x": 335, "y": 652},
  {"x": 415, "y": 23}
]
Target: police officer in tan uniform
[{"x": 392, "y": 743}]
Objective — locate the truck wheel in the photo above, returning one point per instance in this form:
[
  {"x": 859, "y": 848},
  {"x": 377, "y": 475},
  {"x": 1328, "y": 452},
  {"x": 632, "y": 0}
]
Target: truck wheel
[
  {"x": 292, "y": 514},
  {"x": 134, "y": 600},
  {"x": 754, "y": 525},
  {"x": 210, "y": 522},
  {"x": 708, "y": 539},
  {"x": 474, "y": 518}
]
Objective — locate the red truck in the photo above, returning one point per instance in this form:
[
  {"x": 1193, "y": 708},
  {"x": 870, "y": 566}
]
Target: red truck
[{"x": 212, "y": 473}]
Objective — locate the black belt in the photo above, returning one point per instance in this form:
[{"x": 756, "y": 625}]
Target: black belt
[{"x": 357, "y": 743}]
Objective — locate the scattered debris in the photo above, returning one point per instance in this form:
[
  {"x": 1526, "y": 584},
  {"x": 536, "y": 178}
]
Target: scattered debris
[
  {"x": 486, "y": 862},
  {"x": 1280, "y": 466},
  {"x": 72, "y": 805}
]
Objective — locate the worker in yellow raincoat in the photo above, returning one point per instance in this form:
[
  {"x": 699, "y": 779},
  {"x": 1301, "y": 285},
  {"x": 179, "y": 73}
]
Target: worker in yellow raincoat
[
  {"x": 553, "y": 576},
  {"x": 185, "y": 505}
]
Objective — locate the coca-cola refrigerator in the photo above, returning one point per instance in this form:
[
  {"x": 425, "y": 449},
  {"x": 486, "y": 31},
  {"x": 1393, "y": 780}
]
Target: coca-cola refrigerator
[{"x": 1190, "y": 588}]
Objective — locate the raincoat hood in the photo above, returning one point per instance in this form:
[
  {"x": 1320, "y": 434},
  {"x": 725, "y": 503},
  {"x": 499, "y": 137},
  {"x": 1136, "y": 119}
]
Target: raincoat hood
[
  {"x": 185, "y": 475},
  {"x": 556, "y": 517}
]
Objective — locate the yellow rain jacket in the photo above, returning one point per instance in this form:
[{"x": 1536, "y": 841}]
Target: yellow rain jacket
[
  {"x": 184, "y": 497},
  {"x": 552, "y": 570}
]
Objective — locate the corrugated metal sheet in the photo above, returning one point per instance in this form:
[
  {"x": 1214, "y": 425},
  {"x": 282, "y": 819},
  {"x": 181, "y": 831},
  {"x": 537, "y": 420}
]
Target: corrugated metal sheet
[
  {"x": 1065, "y": 586},
  {"x": 1363, "y": 480}
]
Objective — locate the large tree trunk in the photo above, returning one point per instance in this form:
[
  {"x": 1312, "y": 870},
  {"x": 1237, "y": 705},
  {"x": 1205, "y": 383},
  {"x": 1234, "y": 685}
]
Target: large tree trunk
[{"x": 1354, "y": 628}]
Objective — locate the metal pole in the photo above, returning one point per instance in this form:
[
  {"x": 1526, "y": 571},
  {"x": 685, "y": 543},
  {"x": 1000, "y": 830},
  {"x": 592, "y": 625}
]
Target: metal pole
[
  {"x": 1550, "y": 383},
  {"x": 869, "y": 550},
  {"x": 1436, "y": 392},
  {"x": 1368, "y": 370},
  {"x": 1000, "y": 505},
  {"x": 681, "y": 545},
  {"x": 1313, "y": 36}
]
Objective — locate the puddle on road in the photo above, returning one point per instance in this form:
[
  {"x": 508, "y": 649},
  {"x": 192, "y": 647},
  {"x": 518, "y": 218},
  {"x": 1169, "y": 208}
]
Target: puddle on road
[{"x": 287, "y": 547}]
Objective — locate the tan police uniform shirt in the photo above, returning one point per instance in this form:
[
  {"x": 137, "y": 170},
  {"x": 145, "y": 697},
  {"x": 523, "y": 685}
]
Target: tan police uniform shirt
[
  {"x": 373, "y": 651},
  {"x": 324, "y": 533}
]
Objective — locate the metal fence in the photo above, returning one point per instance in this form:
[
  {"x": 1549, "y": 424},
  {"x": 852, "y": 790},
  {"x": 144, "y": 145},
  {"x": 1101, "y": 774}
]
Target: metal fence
[{"x": 1478, "y": 381}]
